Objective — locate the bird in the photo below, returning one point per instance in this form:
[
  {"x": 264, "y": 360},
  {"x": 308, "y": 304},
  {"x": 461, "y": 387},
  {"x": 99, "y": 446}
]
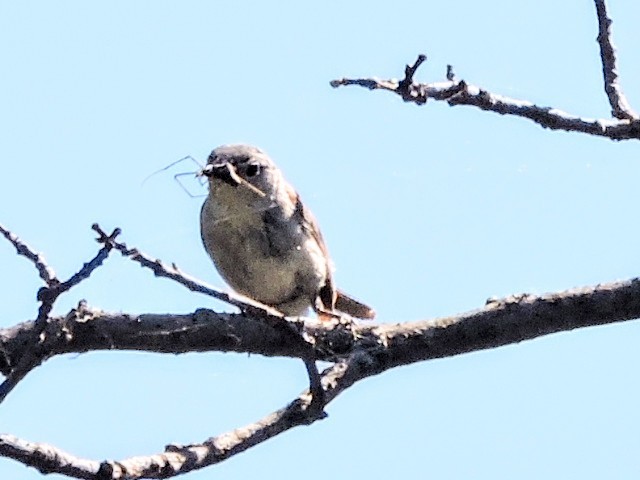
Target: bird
[{"x": 264, "y": 241}]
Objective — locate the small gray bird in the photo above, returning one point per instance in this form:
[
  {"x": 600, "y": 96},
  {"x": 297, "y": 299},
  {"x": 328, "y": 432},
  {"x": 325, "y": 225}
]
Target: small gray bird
[{"x": 262, "y": 239}]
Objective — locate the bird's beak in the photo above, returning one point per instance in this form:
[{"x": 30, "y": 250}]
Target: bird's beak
[
  {"x": 221, "y": 171},
  {"x": 227, "y": 173}
]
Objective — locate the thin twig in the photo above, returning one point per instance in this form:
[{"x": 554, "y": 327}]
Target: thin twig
[
  {"x": 160, "y": 269},
  {"x": 404, "y": 86},
  {"x": 451, "y": 76},
  {"x": 317, "y": 404},
  {"x": 620, "y": 107},
  {"x": 44, "y": 270}
]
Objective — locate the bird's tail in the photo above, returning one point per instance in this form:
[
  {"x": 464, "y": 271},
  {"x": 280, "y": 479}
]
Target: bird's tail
[{"x": 351, "y": 306}]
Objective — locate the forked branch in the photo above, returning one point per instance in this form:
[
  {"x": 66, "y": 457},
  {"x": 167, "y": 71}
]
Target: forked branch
[
  {"x": 624, "y": 125},
  {"x": 357, "y": 351}
]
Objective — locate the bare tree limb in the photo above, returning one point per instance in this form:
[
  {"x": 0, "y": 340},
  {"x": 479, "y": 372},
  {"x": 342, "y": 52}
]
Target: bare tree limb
[
  {"x": 47, "y": 295},
  {"x": 244, "y": 303},
  {"x": 179, "y": 459},
  {"x": 47, "y": 458},
  {"x": 620, "y": 107},
  {"x": 38, "y": 344},
  {"x": 625, "y": 125},
  {"x": 44, "y": 270},
  {"x": 172, "y": 272},
  {"x": 372, "y": 350},
  {"x": 458, "y": 92},
  {"x": 357, "y": 352},
  {"x": 500, "y": 322},
  {"x": 360, "y": 351}
]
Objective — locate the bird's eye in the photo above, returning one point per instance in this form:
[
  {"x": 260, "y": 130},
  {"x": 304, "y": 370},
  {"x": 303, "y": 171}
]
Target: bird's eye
[{"x": 252, "y": 170}]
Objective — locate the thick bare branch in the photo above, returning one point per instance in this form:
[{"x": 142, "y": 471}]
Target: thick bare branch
[
  {"x": 47, "y": 458},
  {"x": 499, "y": 322},
  {"x": 620, "y": 107}
]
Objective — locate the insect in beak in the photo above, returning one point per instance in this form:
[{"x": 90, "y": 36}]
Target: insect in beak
[{"x": 228, "y": 174}]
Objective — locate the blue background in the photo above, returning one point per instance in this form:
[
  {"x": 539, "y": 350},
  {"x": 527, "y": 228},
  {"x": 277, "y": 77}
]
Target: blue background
[{"x": 427, "y": 211}]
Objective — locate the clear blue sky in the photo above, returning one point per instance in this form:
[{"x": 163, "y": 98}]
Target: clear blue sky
[{"x": 427, "y": 211}]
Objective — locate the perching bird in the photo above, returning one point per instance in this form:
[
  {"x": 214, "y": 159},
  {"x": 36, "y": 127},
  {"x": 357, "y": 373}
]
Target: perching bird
[{"x": 263, "y": 240}]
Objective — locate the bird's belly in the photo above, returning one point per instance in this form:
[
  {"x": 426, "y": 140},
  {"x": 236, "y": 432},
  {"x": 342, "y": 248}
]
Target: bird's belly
[{"x": 250, "y": 265}]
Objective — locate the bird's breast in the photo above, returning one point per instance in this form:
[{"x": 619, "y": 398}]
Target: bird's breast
[{"x": 263, "y": 254}]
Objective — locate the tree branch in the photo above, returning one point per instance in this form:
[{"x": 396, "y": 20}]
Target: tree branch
[
  {"x": 500, "y": 322},
  {"x": 358, "y": 351},
  {"x": 625, "y": 125},
  {"x": 160, "y": 269},
  {"x": 44, "y": 270},
  {"x": 245, "y": 304},
  {"x": 458, "y": 92},
  {"x": 179, "y": 459},
  {"x": 47, "y": 295},
  {"x": 620, "y": 107},
  {"x": 366, "y": 351}
]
